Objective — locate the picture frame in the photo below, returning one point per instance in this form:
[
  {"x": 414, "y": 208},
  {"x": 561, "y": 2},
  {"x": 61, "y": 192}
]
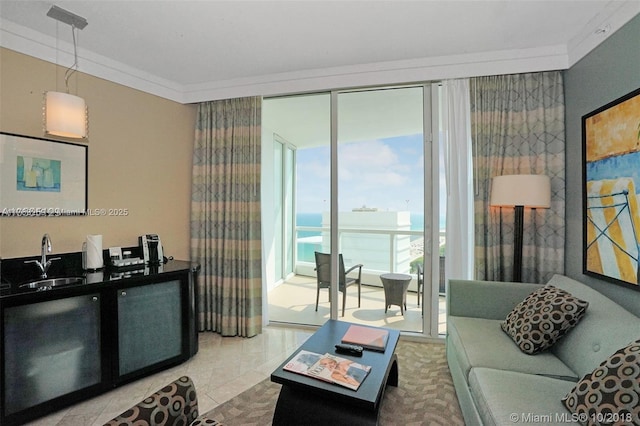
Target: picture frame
[
  {"x": 611, "y": 191},
  {"x": 42, "y": 177}
]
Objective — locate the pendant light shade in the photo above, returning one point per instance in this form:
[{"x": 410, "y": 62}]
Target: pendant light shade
[{"x": 65, "y": 115}]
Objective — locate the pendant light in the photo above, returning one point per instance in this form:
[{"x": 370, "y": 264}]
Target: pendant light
[{"x": 65, "y": 114}]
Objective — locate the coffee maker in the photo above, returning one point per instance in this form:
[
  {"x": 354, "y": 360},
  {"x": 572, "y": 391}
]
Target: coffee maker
[{"x": 151, "y": 248}]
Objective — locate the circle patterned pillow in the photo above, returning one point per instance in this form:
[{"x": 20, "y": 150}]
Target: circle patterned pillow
[
  {"x": 610, "y": 394},
  {"x": 542, "y": 318}
]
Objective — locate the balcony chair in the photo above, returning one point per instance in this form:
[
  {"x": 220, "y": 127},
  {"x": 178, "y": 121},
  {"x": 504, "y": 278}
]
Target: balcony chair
[
  {"x": 323, "y": 274},
  {"x": 420, "y": 276}
]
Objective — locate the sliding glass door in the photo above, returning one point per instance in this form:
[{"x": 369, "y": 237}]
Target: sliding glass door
[
  {"x": 380, "y": 168},
  {"x": 296, "y": 130},
  {"x": 361, "y": 161}
]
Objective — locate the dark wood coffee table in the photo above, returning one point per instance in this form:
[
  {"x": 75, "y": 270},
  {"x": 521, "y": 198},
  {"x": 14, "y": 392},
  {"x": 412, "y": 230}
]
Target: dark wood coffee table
[{"x": 309, "y": 401}]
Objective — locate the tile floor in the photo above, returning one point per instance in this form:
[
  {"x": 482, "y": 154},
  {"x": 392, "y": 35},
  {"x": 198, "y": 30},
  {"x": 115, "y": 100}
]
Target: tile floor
[
  {"x": 294, "y": 302},
  {"x": 223, "y": 368}
]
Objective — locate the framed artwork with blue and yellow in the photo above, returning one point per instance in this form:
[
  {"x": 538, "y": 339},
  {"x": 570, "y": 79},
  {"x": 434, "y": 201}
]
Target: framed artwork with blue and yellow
[{"x": 611, "y": 186}]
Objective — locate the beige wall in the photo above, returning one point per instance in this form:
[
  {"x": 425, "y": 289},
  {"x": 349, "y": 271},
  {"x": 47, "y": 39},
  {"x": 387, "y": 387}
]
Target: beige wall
[{"x": 140, "y": 149}]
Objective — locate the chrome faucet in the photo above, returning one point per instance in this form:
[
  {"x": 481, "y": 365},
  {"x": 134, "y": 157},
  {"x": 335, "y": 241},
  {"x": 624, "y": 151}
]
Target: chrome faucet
[{"x": 43, "y": 263}]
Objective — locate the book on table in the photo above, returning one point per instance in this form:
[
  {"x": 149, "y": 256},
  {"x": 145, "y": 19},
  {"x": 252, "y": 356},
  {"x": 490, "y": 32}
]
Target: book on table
[
  {"x": 329, "y": 368},
  {"x": 372, "y": 338}
]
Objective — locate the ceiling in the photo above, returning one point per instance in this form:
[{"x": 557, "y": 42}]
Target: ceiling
[{"x": 191, "y": 51}]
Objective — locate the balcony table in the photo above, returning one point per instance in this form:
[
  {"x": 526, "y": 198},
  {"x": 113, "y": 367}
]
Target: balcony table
[{"x": 395, "y": 290}]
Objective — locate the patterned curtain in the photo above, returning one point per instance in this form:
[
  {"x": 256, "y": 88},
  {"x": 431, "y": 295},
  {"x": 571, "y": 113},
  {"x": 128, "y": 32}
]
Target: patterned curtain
[
  {"x": 517, "y": 127},
  {"x": 225, "y": 216}
]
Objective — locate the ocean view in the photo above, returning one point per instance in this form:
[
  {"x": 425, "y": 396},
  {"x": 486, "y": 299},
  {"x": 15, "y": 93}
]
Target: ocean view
[
  {"x": 307, "y": 244},
  {"x": 315, "y": 219}
]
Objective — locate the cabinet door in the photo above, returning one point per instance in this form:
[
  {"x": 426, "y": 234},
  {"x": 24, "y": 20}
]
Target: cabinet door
[
  {"x": 149, "y": 325},
  {"x": 51, "y": 349}
]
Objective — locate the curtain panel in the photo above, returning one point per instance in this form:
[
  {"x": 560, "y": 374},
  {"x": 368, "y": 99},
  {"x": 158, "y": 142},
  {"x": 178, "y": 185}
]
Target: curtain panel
[
  {"x": 457, "y": 163},
  {"x": 517, "y": 127},
  {"x": 225, "y": 216}
]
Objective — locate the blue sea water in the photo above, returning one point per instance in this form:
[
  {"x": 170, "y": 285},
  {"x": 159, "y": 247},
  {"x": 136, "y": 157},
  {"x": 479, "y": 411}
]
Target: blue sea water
[{"x": 306, "y": 250}]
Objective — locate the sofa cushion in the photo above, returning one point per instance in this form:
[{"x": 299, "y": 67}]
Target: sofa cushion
[
  {"x": 611, "y": 393},
  {"x": 605, "y": 328},
  {"x": 478, "y": 342},
  {"x": 511, "y": 398},
  {"x": 542, "y": 318}
]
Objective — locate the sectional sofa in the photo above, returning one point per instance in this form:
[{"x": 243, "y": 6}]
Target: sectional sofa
[{"x": 497, "y": 383}]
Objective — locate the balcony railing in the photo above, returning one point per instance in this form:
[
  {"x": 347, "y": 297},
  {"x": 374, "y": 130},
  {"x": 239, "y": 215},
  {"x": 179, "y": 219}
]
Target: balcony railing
[
  {"x": 379, "y": 250},
  {"x": 393, "y": 235}
]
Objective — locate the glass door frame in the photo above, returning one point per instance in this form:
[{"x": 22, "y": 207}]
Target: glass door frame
[
  {"x": 287, "y": 203},
  {"x": 431, "y": 205},
  {"x": 431, "y": 202}
]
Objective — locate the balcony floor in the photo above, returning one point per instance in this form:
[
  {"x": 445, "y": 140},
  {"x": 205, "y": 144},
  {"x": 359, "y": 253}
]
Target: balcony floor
[{"x": 294, "y": 302}]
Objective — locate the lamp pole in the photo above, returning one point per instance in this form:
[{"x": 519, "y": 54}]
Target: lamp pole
[
  {"x": 520, "y": 191},
  {"x": 517, "y": 243}
]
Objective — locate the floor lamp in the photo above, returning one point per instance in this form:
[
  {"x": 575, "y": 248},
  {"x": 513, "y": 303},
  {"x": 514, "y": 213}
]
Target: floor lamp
[{"x": 520, "y": 191}]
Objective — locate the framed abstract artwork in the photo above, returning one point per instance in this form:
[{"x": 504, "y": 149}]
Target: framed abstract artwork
[
  {"x": 611, "y": 207},
  {"x": 42, "y": 177}
]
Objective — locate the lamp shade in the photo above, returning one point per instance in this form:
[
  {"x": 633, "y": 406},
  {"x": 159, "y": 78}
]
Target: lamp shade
[
  {"x": 521, "y": 190},
  {"x": 65, "y": 115}
]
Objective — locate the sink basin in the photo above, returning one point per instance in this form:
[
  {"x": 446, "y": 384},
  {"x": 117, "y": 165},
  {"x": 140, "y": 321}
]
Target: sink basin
[{"x": 49, "y": 283}]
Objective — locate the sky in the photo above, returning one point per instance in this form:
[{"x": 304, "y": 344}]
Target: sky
[{"x": 386, "y": 174}]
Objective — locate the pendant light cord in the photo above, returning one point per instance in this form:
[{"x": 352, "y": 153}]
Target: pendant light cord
[{"x": 73, "y": 68}]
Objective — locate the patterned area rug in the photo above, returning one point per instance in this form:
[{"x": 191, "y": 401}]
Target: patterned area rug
[{"x": 424, "y": 396}]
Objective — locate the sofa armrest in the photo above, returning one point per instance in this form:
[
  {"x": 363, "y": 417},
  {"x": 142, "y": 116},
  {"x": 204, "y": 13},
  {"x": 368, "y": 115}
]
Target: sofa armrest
[{"x": 485, "y": 299}]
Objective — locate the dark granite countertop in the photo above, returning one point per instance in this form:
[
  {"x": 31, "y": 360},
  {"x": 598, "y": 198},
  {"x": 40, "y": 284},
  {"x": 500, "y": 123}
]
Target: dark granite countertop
[{"x": 15, "y": 273}]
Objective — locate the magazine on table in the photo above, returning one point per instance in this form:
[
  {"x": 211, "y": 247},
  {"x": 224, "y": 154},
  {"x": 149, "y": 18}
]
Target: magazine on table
[
  {"x": 329, "y": 368},
  {"x": 372, "y": 338},
  {"x": 302, "y": 362}
]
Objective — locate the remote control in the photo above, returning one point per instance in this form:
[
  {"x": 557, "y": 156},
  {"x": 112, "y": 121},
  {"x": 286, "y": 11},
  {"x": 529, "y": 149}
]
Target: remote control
[{"x": 344, "y": 348}]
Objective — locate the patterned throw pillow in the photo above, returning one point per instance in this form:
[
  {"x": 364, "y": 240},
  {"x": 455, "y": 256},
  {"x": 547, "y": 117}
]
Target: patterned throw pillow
[
  {"x": 542, "y": 318},
  {"x": 610, "y": 394}
]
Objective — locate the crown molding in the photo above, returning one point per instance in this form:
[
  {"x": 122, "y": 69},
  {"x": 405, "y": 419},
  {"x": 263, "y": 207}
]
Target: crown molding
[
  {"x": 36, "y": 44},
  {"x": 33, "y": 43},
  {"x": 613, "y": 17},
  {"x": 395, "y": 72}
]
